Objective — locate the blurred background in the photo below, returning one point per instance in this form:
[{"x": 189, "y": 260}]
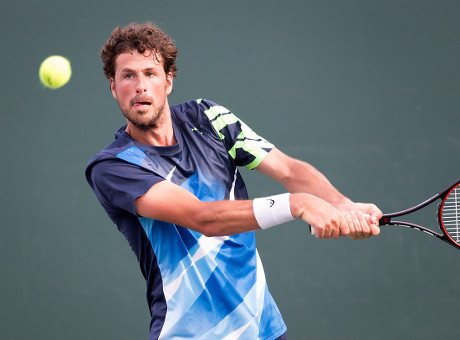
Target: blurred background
[{"x": 365, "y": 90}]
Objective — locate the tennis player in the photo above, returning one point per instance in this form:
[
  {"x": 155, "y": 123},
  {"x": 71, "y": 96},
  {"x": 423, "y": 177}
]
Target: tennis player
[{"x": 170, "y": 182}]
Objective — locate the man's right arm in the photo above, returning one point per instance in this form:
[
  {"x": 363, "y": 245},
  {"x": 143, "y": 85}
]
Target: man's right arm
[{"x": 169, "y": 202}]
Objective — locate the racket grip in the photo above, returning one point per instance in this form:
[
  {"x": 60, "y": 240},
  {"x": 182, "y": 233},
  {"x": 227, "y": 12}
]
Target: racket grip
[{"x": 313, "y": 231}]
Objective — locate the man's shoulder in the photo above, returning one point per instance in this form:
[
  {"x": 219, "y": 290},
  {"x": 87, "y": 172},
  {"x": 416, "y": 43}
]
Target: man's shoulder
[
  {"x": 193, "y": 110},
  {"x": 196, "y": 104},
  {"x": 112, "y": 149},
  {"x": 109, "y": 152}
]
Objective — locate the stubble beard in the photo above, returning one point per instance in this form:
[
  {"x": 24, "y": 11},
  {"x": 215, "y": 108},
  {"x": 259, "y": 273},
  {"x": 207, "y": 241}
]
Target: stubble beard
[{"x": 135, "y": 117}]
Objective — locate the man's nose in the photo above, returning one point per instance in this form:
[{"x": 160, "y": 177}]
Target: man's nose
[{"x": 140, "y": 86}]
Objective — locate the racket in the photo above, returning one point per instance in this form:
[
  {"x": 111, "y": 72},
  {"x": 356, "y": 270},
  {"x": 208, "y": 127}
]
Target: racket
[{"x": 448, "y": 215}]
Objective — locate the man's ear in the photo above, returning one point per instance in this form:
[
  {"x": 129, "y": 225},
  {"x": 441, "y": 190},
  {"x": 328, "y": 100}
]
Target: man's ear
[
  {"x": 169, "y": 79},
  {"x": 112, "y": 87}
]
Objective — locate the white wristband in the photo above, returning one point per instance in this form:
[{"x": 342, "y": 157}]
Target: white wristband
[{"x": 272, "y": 210}]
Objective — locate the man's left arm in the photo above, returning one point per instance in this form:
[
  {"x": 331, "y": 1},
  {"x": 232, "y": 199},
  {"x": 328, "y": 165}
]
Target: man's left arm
[{"x": 300, "y": 177}]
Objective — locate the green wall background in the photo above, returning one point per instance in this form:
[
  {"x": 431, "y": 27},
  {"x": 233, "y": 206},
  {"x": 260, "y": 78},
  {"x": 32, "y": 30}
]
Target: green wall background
[{"x": 365, "y": 90}]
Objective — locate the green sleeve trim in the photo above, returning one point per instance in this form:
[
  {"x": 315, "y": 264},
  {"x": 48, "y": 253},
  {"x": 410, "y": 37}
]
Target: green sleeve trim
[
  {"x": 259, "y": 158},
  {"x": 220, "y": 117},
  {"x": 247, "y": 140}
]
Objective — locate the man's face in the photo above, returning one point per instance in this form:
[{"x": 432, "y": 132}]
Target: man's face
[{"x": 141, "y": 87}]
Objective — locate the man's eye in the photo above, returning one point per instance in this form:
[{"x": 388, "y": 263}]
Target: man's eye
[{"x": 128, "y": 76}]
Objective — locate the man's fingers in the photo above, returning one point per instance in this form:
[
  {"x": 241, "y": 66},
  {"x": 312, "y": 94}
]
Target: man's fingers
[
  {"x": 364, "y": 221},
  {"x": 373, "y": 223},
  {"x": 351, "y": 226},
  {"x": 354, "y": 224},
  {"x": 357, "y": 224},
  {"x": 375, "y": 229},
  {"x": 344, "y": 226}
]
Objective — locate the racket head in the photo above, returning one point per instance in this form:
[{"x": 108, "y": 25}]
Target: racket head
[{"x": 449, "y": 214}]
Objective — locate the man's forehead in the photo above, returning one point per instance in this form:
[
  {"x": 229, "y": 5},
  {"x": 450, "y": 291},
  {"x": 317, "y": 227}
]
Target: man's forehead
[{"x": 150, "y": 57}]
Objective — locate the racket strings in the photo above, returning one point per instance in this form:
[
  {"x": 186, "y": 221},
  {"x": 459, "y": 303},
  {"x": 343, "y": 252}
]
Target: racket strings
[{"x": 451, "y": 214}]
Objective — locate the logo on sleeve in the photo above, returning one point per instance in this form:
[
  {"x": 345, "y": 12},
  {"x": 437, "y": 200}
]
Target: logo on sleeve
[
  {"x": 195, "y": 129},
  {"x": 271, "y": 202}
]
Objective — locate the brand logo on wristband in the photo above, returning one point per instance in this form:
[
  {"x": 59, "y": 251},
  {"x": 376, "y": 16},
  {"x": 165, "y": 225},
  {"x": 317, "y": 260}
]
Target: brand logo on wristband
[{"x": 271, "y": 202}]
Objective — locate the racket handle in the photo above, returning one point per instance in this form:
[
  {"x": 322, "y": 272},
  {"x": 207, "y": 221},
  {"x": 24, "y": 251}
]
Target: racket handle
[{"x": 313, "y": 231}]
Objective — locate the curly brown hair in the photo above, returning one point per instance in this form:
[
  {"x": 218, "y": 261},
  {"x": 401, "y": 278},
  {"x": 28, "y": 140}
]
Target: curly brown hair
[{"x": 143, "y": 38}]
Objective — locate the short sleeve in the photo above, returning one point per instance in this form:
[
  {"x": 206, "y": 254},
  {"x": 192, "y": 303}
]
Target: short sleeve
[
  {"x": 245, "y": 146},
  {"x": 118, "y": 184}
]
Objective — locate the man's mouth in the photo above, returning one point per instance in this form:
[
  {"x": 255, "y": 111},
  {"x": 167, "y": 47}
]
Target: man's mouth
[
  {"x": 137, "y": 102},
  {"x": 142, "y": 104}
]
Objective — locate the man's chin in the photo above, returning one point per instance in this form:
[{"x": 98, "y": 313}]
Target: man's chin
[
  {"x": 143, "y": 120},
  {"x": 144, "y": 125}
]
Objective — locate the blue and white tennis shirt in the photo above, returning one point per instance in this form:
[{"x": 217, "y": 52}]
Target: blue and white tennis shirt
[{"x": 198, "y": 287}]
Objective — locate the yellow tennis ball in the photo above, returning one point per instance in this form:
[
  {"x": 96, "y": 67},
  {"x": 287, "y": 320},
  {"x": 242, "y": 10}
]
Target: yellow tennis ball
[{"x": 55, "y": 71}]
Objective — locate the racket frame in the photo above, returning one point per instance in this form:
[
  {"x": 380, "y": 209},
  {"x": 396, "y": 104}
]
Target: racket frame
[{"x": 387, "y": 219}]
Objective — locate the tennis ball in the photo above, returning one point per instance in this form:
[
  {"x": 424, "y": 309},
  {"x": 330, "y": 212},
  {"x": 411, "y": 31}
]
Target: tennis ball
[{"x": 55, "y": 71}]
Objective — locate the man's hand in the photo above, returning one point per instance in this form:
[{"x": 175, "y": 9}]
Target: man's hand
[
  {"x": 325, "y": 220},
  {"x": 355, "y": 220},
  {"x": 362, "y": 219}
]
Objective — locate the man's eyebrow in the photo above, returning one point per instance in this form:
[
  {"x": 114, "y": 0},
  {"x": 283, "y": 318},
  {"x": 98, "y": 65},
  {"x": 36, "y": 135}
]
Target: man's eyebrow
[{"x": 127, "y": 69}]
